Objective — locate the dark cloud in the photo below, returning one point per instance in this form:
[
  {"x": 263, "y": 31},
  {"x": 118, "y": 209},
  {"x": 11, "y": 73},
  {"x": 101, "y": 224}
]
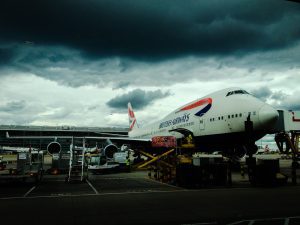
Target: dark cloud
[
  {"x": 14, "y": 106},
  {"x": 6, "y": 56},
  {"x": 291, "y": 102},
  {"x": 278, "y": 99},
  {"x": 138, "y": 98},
  {"x": 262, "y": 93},
  {"x": 155, "y": 29},
  {"x": 265, "y": 93},
  {"x": 279, "y": 96},
  {"x": 121, "y": 85},
  {"x": 295, "y": 106}
]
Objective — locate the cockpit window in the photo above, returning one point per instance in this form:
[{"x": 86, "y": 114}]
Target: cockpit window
[{"x": 236, "y": 92}]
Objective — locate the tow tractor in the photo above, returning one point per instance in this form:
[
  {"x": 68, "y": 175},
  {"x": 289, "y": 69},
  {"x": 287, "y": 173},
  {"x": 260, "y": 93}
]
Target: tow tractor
[
  {"x": 29, "y": 165},
  {"x": 99, "y": 163}
]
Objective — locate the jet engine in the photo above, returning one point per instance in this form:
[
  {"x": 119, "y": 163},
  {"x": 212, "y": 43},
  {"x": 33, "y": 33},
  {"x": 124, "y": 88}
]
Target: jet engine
[
  {"x": 251, "y": 148},
  {"x": 242, "y": 151},
  {"x": 239, "y": 152},
  {"x": 53, "y": 147},
  {"x": 110, "y": 150}
]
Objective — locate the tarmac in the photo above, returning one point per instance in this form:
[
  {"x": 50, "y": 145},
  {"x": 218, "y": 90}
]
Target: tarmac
[{"x": 133, "y": 198}]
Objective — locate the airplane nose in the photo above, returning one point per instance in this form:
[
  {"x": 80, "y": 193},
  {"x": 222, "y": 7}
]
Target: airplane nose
[{"x": 267, "y": 116}]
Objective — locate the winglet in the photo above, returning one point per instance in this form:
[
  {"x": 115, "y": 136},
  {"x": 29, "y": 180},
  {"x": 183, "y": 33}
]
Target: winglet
[{"x": 132, "y": 119}]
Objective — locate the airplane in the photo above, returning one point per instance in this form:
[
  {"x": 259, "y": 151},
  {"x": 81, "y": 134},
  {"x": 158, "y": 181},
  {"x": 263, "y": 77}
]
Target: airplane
[
  {"x": 229, "y": 120},
  {"x": 216, "y": 122}
]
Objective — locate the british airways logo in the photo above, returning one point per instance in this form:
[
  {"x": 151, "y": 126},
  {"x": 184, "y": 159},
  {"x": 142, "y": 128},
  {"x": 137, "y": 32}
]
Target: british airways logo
[{"x": 206, "y": 101}]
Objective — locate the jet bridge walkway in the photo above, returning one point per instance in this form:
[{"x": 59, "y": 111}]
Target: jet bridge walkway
[{"x": 287, "y": 137}]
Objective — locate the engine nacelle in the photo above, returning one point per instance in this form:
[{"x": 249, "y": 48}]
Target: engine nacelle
[
  {"x": 53, "y": 147},
  {"x": 110, "y": 150},
  {"x": 239, "y": 152},
  {"x": 251, "y": 149}
]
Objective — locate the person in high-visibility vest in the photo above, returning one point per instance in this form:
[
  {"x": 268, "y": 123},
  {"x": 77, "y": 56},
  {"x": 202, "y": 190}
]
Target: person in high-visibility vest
[
  {"x": 128, "y": 163},
  {"x": 189, "y": 139}
]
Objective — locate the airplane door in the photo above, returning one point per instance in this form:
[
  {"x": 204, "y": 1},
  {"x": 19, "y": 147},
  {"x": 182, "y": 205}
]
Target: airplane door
[{"x": 202, "y": 124}]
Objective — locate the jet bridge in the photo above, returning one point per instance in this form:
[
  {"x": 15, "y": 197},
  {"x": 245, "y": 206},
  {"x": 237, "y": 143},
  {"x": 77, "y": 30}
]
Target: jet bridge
[{"x": 287, "y": 136}]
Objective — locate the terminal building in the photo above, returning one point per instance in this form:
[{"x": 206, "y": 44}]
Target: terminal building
[{"x": 53, "y": 131}]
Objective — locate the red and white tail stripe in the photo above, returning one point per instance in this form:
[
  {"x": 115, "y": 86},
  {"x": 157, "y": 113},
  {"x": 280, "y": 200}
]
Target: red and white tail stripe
[{"x": 132, "y": 119}]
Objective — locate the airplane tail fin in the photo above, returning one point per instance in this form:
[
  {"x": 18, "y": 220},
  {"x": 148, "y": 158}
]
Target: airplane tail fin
[{"x": 132, "y": 120}]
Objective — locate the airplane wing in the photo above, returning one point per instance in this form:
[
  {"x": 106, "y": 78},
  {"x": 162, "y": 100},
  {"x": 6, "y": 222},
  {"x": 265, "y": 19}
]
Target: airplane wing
[
  {"x": 134, "y": 143},
  {"x": 80, "y": 137},
  {"x": 120, "y": 140},
  {"x": 37, "y": 137},
  {"x": 18, "y": 149}
]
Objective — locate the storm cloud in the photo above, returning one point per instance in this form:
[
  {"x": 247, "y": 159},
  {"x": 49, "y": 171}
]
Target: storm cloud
[
  {"x": 265, "y": 93},
  {"x": 278, "y": 98},
  {"x": 138, "y": 98},
  {"x": 140, "y": 42},
  {"x": 147, "y": 30},
  {"x": 79, "y": 62}
]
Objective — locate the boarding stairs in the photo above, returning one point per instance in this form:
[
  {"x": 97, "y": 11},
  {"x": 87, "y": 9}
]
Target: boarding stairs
[{"x": 77, "y": 164}]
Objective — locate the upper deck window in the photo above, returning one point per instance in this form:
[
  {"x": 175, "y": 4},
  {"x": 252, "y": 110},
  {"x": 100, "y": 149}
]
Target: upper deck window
[{"x": 236, "y": 92}]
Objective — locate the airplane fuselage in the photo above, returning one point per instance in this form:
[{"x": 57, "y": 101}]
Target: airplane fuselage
[{"x": 216, "y": 119}]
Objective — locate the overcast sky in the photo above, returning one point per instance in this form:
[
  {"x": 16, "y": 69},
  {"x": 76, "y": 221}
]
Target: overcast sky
[{"x": 78, "y": 62}]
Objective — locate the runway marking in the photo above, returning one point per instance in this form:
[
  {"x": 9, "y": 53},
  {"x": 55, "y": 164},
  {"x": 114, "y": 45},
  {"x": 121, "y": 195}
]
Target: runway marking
[
  {"x": 86, "y": 195},
  {"x": 128, "y": 192},
  {"x": 94, "y": 189},
  {"x": 251, "y": 222},
  {"x": 205, "y": 223},
  {"x": 28, "y": 192},
  {"x": 169, "y": 185}
]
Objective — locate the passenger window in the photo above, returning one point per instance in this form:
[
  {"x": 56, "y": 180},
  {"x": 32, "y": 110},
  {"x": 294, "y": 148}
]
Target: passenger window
[
  {"x": 240, "y": 114},
  {"x": 228, "y": 116}
]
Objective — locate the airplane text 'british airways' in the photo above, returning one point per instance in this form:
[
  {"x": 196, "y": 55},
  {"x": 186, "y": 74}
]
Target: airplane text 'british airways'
[{"x": 180, "y": 119}]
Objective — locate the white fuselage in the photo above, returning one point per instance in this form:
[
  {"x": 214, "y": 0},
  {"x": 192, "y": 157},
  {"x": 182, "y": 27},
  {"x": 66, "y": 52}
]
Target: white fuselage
[{"x": 220, "y": 113}]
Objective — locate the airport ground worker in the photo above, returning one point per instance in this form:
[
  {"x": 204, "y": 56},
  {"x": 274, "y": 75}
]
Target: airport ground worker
[
  {"x": 189, "y": 139},
  {"x": 128, "y": 163}
]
